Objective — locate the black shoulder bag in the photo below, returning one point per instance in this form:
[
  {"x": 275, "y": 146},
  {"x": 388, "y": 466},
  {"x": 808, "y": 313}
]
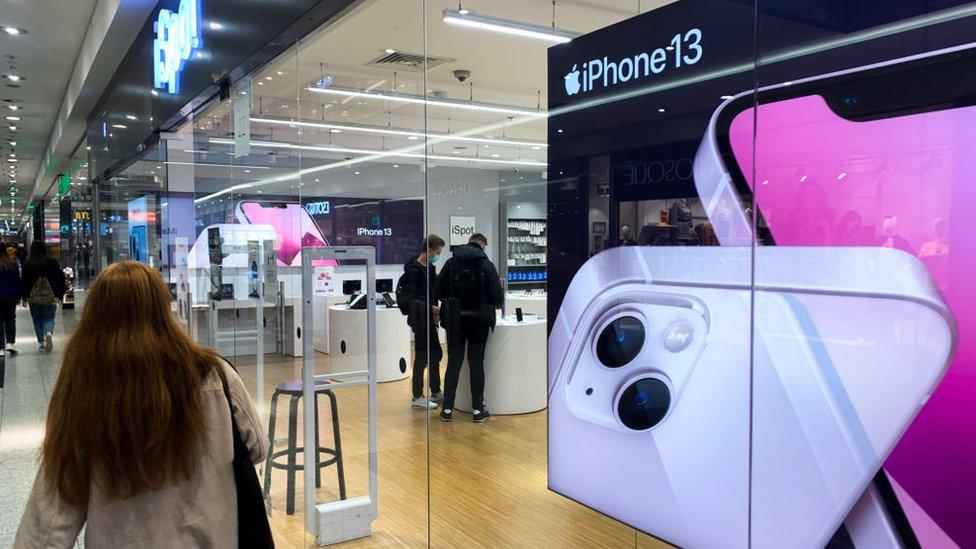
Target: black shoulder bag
[{"x": 253, "y": 529}]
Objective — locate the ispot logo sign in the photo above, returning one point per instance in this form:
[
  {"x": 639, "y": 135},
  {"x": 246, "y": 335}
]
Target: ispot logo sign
[{"x": 683, "y": 50}]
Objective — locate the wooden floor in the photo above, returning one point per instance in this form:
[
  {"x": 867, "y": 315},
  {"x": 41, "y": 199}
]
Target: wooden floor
[{"x": 456, "y": 484}]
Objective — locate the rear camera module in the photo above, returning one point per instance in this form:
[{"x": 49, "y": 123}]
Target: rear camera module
[
  {"x": 620, "y": 342},
  {"x": 644, "y": 403}
]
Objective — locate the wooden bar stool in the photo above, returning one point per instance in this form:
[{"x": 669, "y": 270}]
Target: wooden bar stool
[{"x": 293, "y": 389}]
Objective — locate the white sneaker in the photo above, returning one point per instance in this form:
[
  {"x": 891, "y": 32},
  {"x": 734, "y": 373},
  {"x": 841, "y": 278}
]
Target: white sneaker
[
  {"x": 10, "y": 349},
  {"x": 42, "y": 347},
  {"x": 423, "y": 403},
  {"x": 48, "y": 342}
]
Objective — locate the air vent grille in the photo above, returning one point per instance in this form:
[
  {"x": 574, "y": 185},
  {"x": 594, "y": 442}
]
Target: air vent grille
[{"x": 408, "y": 61}]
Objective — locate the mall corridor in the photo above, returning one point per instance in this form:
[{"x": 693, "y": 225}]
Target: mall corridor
[{"x": 23, "y": 405}]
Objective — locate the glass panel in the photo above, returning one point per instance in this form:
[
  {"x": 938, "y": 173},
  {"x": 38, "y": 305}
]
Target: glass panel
[
  {"x": 860, "y": 422},
  {"x": 577, "y": 162},
  {"x": 362, "y": 185}
]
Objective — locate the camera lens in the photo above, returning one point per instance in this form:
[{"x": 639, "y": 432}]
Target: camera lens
[
  {"x": 644, "y": 403},
  {"x": 620, "y": 341}
]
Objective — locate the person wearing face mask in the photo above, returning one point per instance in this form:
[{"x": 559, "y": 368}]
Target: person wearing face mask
[{"x": 416, "y": 295}]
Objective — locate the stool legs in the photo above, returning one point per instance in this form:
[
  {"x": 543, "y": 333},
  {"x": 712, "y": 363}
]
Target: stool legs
[
  {"x": 337, "y": 440},
  {"x": 292, "y": 453},
  {"x": 267, "y": 462},
  {"x": 309, "y": 455}
]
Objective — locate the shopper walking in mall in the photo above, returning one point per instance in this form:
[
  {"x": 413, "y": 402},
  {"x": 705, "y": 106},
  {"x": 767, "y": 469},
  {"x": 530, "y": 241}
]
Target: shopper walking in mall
[
  {"x": 416, "y": 295},
  {"x": 9, "y": 297},
  {"x": 42, "y": 286},
  {"x": 142, "y": 430},
  {"x": 470, "y": 292}
]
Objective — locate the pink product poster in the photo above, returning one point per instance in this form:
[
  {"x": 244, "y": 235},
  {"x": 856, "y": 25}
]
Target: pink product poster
[{"x": 908, "y": 183}]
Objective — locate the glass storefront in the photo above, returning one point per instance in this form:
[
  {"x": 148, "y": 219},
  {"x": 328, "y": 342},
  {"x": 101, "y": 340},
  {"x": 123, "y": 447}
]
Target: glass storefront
[{"x": 678, "y": 202}]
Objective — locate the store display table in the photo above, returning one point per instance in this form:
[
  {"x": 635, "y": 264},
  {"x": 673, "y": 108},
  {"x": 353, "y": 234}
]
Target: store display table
[
  {"x": 515, "y": 369},
  {"x": 347, "y": 342},
  {"x": 530, "y": 304}
]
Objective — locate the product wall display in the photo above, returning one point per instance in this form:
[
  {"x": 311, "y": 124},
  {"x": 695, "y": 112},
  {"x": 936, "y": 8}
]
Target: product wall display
[{"x": 789, "y": 366}]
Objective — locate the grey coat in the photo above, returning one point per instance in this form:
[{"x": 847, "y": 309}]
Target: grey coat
[{"x": 201, "y": 512}]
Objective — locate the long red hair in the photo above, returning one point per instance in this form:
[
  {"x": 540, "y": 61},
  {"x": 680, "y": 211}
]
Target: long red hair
[{"x": 127, "y": 410}]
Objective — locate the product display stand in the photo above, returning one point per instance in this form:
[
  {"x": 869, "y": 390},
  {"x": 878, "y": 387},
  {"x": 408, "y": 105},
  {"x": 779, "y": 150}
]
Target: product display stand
[{"x": 344, "y": 520}]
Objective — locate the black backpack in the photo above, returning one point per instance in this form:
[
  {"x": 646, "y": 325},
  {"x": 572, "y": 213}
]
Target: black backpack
[
  {"x": 403, "y": 302},
  {"x": 468, "y": 285}
]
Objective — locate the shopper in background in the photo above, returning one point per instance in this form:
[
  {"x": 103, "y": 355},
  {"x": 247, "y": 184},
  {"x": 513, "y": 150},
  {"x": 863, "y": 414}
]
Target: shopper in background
[
  {"x": 470, "y": 292},
  {"x": 139, "y": 442},
  {"x": 417, "y": 298},
  {"x": 9, "y": 297},
  {"x": 43, "y": 286}
]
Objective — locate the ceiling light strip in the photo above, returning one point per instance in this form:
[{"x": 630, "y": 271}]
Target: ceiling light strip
[
  {"x": 345, "y": 150},
  {"x": 507, "y": 26},
  {"x": 419, "y": 100},
  {"x": 436, "y": 137}
]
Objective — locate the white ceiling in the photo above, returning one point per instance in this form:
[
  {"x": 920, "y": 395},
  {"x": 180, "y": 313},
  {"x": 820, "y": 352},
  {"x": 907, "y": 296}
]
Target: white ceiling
[
  {"x": 504, "y": 70},
  {"x": 44, "y": 58}
]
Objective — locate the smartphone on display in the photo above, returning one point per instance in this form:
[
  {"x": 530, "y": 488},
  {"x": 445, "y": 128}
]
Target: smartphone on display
[
  {"x": 664, "y": 416},
  {"x": 878, "y": 156},
  {"x": 293, "y": 225}
]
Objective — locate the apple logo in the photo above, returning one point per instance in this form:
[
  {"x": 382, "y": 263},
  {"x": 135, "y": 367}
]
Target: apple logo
[{"x": 572, "y": 81}]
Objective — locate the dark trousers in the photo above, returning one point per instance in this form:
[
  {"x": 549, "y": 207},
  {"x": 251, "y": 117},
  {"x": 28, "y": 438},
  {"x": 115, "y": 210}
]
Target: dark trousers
[
  {"x": 473, "y": 335},
  {"x": 8, "y": 315},
  {"x": 426, "y": 351}
]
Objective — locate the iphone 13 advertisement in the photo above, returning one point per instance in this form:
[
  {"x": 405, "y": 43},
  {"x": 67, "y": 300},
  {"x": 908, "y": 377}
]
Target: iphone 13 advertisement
[{"x": 789, "y": 362}]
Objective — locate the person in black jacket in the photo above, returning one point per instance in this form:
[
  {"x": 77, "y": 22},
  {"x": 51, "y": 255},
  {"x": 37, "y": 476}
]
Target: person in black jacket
[
  {"x": 470, "y": 292},
  {"x": 43, "y": 286},
  {"x": 9, "y": 297},
  {"x": 417, "y": 298}
]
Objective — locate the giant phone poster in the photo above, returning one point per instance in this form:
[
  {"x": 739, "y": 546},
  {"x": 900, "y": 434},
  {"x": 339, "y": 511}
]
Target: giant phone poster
[{"x": 776, "y": 350}]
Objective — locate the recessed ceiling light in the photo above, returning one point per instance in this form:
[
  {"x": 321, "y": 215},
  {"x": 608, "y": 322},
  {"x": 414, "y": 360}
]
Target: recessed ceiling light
[
  {"x": 335, "y": 130},
  {"x": 15, "y": 160},
  {"x": 390, "y": 51},
  {"x": 154, "y": 92},
  {"x": 662, "y": 109},
  {"x": 14, "y": 31},
  {"x": 412, "y": 137},
  {"x": 119, "y": 126},
  {"x": 13, "y": 107},
  {"x": 725, "y": 97},
  {"x": 131, "y": 117},
  {"x": 357, "y": 173},
  {"x": 12, "y": 128},
  {"x": 536, "y": 148},
  {"x": 496, "y": 155},
  {"x": 13, "y": 77},
  {"x": 215, "y": 26},
  {"x": 269, "y": 78},
  {"x": 396, "y": 165}
]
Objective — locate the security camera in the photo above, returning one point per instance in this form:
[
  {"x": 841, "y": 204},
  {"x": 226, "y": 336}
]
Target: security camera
[{"x": 462, "y": 75}]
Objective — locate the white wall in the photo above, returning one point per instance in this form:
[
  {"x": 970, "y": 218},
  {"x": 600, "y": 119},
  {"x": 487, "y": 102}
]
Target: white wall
[{"x": 459, "y": 191}]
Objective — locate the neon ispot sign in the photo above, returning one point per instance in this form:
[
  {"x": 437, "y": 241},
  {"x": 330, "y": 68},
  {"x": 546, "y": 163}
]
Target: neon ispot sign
[{"x": 177, "y": 37}]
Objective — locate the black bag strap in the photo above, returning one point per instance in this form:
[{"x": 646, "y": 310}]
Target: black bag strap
[{"x": 253, "y": 529}]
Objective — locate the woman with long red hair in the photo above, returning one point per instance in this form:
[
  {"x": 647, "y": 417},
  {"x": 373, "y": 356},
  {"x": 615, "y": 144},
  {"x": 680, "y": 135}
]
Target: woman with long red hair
[{"x": 139, "y": 443}]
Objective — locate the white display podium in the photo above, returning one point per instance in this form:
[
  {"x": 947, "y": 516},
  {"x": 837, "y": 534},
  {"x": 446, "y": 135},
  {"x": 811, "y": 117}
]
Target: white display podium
[
  {"x": 347, "y": 342},
  {"x": 515, "y": 369},
  {"x": 530, "y": 304}
]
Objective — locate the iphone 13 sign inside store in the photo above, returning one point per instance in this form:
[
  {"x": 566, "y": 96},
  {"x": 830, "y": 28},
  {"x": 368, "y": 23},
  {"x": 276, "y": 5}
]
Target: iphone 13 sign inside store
[{"x": 683, "y": 49}]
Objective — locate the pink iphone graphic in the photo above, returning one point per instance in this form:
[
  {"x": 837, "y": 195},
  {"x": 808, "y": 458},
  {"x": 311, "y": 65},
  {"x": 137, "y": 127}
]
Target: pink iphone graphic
[
  {"x": 294, "y": 226},
  {"x": 664, "y": 416},
  {"x": 882, "y": 157}
]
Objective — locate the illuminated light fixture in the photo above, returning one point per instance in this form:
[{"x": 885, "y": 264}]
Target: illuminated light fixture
[
  {"x": 13, "y": 107},
  {"x": 662, "y": 109},
  {"x": 420, "y": 100},
  {"x": 14, "y": 31},
  {"x": 384, "y": 154},
  {"x": 13, "y": 77},
  {"x": 131, "y": 117},
  {"x": 465, "y": 18},
  {"x": 215, "y": 26},
  {"x": 174, "y": 163},
  {"x": 842, "y": 175},
  {"x": 120, "y": 126},
  {"x": 177, "y": 37},
  {"x": 390, "y": 51},
  {"x": 15, "y": 160},
  {"x": 726, "y": 97},
  {"x": 13, "y": 118},
  {"x": 12, "y": 128},
  {"x": 154, "y": 93}
]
